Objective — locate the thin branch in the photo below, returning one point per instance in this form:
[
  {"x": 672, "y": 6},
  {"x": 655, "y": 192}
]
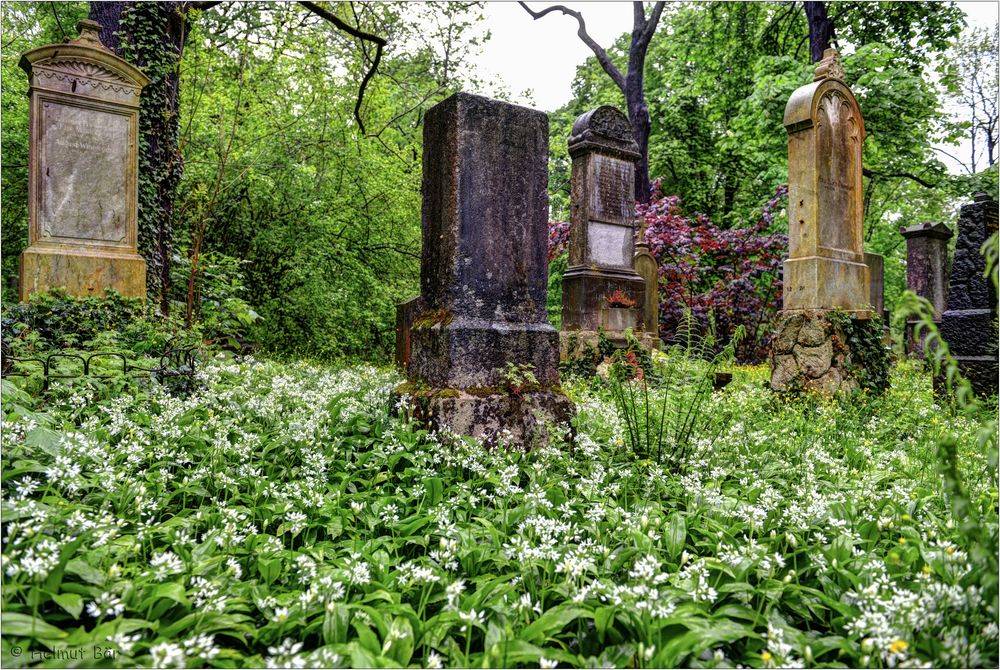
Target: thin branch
[
  {"x": 602, "y": 55},
  {"x": 912, "y": 177},
  {"x": 360, "y": 34},
  {"x": 652, "y": 21}
]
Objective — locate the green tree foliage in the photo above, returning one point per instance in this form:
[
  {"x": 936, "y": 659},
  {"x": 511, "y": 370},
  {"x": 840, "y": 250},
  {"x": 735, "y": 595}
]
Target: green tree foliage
[
  {"x": 717, "y": 81},
  {"x": 279, "y": 173}
]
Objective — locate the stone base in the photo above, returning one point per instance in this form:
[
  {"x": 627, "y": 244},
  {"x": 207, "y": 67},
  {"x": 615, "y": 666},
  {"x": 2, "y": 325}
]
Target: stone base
[
  {"x": 81, "y": 272},
  {"x": 585, "y": 293},
  {"x": 819, "y": 283},
  {"x": 574, "y": 344},
  {"x": 521, "y": 420},
  {"x": 467, "y": 352},
  {"x": 809, "y": 352}
]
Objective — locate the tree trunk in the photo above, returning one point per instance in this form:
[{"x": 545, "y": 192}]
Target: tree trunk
[
  {"x": 638, "y": 116},
  {"x": 821, "y": 32},
  {"x": 151, "y": 36}
]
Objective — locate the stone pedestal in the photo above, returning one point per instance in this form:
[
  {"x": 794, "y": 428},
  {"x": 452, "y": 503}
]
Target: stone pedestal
[
  {"x": 601, "y": 278},
  {"x": 483, "y": 274},
  {"x": 83, "y": 165},
  {"x": 926, "y": 270},
  {"x": 826, "y": 268},
  {"x": 969, "y": 323}
]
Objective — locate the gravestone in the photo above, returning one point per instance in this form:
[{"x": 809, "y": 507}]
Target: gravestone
[
  {"x": 406, "y": 312},
  {"x": 876, "y": 282},
  {"x": 83, "y": 170},
  {"x": 969, "y": 323},
  {"x": 601, "y": 289},
  {"x": 483, "y": 275},
  {"x": 825, "y": 270},
  {"x": 926, "y": 270}
]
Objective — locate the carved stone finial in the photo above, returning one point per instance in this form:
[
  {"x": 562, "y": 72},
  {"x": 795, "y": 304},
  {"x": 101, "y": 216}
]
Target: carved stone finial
[
  {"x": 90, "y": 34},
  {"x": 829, "y": 67},
  {"x": 603, "y": 129}
]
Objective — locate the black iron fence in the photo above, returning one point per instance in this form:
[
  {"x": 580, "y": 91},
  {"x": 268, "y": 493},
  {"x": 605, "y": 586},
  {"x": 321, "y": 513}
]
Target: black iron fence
[{"x": 175, "y": 362}]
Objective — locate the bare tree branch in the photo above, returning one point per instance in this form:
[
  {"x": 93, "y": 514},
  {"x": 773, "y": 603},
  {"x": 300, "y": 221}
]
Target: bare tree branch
[
  {"x": 912, "y": 177},
  {"x": 360, "y": 34},
  {"x": 599, "y": 52}
]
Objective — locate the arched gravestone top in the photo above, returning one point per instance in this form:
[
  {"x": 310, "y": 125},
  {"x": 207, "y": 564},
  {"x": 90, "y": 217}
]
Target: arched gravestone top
[
  {"x": 604, "y": 130},
  {"x": 84, "y": 66}
]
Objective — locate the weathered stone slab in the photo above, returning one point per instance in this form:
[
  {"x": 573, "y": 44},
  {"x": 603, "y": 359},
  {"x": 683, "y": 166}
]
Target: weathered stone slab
[
  {"x": 968, "y": 325},
  {"x": 406, "y": 313},
  {"x": 826, "y": 266},
  {"x": 484, "y": 270},
  {"x": 876, "y": 282},
  {"x": 602, "y": 231},
  {"x": 83, "y": 165}
]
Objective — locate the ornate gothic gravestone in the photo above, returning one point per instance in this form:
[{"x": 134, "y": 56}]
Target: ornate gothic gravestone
[
  {"x": 601, "y": 289},
  {"x": 83, "y": 164},
  {"x": 969, "y": 324},
  {"x": 926, "y": 270},
  {"x": 826, "y": 269},
  {"x": 483, "y": 274}
]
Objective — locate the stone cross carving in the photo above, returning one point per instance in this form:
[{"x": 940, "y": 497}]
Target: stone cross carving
[
  {"x": 968, "y": 325},
  {"x": 83, "y": 165},
  {"x": 601, "y": 288},
  {"x": 826, "y": 266},
  {"x": 483, "y": 272},
  {"x": 926, "y": 270}
]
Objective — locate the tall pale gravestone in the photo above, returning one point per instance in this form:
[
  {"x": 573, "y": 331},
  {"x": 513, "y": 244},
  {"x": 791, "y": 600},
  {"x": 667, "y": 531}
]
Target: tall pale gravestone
[
  {"x": 83, "y": 165},
  {"x": 482, "y": 321},
  {"x": 926, "y": 270},
  {"x": 602, "y": 291},
  {"x": 826, "y": 268},
  {"x": 969, "y": 323}
]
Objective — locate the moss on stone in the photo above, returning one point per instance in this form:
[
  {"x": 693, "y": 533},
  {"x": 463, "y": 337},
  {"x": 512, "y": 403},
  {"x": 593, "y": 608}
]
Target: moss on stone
[{"x": 437, "y": 317}]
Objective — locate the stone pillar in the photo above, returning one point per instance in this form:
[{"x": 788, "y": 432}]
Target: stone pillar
[
  {"x": 83, "y": 170},
  {"x": 645, "y": 264},
  {"x": 926, "y": 270},
  {"x": 483, "y": 274},
  {"x": 876, "y": 283},
  {"x": 601, "y": 289},
  {"x": 969, "y": 323},
  {"x": 826, "y": 269}
]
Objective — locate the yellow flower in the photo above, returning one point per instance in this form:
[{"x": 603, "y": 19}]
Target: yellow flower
[
  {"x": 902, "y": 540},
  {"x": 765, "y": 656},
  {"x": 898, "y": 646},
  {"x": 950, "y": 550}
]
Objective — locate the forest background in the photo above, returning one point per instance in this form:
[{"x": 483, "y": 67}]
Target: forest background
[{"x": 295, "y": 217}]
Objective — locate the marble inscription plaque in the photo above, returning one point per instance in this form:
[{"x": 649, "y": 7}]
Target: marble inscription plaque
[
  {"x": 612, "y": 184},
  {"x": 609, "y": 244},
  {"x": 838, "y": 153},
  {"x": 84, "y": 164}
]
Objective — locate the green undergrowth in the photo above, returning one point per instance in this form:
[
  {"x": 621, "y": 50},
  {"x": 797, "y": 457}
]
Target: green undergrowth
[{"x": 284, "y": 515}]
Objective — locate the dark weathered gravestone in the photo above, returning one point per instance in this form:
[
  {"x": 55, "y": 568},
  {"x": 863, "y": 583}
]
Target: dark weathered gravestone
[
  {"x": 406, "y": 312},
  {"x": 968, "y": 325},
  {"x": 926, "y": 270},
  {"x": 83, "y": 170},
  {"x": 482, "y": 335},
  {"x": 601, "y": 289}
]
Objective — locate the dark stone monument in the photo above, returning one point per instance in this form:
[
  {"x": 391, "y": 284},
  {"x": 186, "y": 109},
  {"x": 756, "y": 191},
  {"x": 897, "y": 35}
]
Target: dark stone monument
[
  {"x": 876, "y": 284},
  {"x": 406, "y": 312},
  {"x": 483, "y": 275},
  {"x": 969, "y": 324},
  {"x": 926, "y": 270},
  {"x": 601, "y": 289}
]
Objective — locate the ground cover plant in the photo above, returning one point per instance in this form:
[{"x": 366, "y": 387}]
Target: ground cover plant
[{"x": 289, "y": 515}]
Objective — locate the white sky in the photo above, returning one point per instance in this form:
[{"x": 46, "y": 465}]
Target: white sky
[{"x": 537, "y": 60}]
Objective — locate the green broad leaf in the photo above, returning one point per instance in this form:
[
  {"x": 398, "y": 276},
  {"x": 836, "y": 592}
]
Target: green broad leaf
[
  {"x": 399, "y": 643},
  {"x": 71, "y": 602},
  {"x": 54, "y": 580},
  {"x": 335, "y": 623},
  {"x": 521, "y": 652},
  {"x": 24, "y": 625},
  {"x": 86, "y": 572},
  {"x": 269, "y": 570},
  {"x": 367, "y": 639},
  {"x": 702, "y": 635},
  {"x": 173, "y": 591},
  {"x": 676, "y": 534},
  {"x": 435, "y": 490},
  {"x": 551, "y": 622},
  {"x": 45, "y": 439}
]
